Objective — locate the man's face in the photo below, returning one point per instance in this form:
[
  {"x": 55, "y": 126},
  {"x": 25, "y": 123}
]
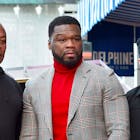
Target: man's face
[
  {"x": 2, "y": 43},
  {"x": 66, "y": 44}
]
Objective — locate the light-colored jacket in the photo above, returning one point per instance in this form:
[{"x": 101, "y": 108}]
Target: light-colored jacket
[{"x": 98, "y": 108}]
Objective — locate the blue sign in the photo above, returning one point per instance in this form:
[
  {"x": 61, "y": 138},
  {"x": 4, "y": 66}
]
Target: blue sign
[{"x": 113, "y": 44}]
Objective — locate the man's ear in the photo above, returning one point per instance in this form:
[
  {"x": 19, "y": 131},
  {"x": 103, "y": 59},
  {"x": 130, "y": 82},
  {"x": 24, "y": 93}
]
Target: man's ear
[{"x": 49, "y": 45}]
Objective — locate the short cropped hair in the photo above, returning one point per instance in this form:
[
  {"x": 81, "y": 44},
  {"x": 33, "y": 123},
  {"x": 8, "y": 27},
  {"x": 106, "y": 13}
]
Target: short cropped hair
[{"x": 61, "y": 20}]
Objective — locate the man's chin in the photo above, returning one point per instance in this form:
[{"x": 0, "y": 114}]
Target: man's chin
[
  {"x": 70, "y": 63},
  {"x": 70, "y": 59}
]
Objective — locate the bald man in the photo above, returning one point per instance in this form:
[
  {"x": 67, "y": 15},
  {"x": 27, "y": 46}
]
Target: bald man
[{"x": 10, "y": 99}]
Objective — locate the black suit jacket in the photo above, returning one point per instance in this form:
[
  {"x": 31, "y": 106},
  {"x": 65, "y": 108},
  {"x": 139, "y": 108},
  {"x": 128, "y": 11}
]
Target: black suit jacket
[
  {"x": 133, "y": 97},
  {"x": 10, "y": 107}
]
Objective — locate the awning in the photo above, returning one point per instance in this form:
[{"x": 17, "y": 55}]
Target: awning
[
  {"x": 127, "y": 13},
  {"x": 91, "y": 12}
]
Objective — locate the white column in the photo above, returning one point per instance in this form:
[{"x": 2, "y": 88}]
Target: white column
[{"x": 136, "y": 65}]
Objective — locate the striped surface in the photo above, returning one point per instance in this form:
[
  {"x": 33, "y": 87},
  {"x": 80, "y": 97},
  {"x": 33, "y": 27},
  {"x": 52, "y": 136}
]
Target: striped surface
[
  {"x": 90, "y": 12},
  {"x": 127, "y": 13}
]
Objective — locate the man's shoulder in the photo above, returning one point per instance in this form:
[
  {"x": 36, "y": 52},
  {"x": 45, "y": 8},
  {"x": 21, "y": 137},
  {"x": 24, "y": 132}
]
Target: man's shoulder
[
  {"x": 133, "y": 92},
  {"x": 95, "y": 68},
  {"x": 9, "y": 78},
  {"x": 133, "y": 97},
  {"x": 43, "y": 75}
]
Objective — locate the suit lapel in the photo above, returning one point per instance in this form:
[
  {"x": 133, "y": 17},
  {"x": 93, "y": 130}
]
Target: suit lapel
[{"x": 79, "y": 84}]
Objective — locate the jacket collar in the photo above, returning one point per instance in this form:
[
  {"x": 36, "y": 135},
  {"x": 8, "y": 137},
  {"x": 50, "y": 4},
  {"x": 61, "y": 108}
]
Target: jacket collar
[
  {"x": 1, "y": 71},
  {"x": 137, "y": 90}
]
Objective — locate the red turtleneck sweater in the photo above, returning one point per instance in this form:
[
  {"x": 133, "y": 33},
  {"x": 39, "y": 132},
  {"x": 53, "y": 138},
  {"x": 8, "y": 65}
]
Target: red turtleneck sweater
[{"x": 61, "y": 89}]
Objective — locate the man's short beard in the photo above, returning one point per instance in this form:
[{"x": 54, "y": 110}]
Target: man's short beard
[{"x": 71, "y": 63}]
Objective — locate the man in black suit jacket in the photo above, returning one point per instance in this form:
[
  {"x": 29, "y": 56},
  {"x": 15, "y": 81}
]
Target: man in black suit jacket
[
  {"x": 10, "y": 99},
  {"x": 133, "y": 97}
]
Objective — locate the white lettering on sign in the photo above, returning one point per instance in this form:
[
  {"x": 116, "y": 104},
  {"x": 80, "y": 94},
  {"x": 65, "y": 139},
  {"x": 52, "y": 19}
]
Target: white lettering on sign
[{"x": 117, "y": 58}]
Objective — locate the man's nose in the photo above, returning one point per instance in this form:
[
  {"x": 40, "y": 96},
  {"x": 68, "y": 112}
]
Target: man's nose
[{"x": 70, "y": 42}]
